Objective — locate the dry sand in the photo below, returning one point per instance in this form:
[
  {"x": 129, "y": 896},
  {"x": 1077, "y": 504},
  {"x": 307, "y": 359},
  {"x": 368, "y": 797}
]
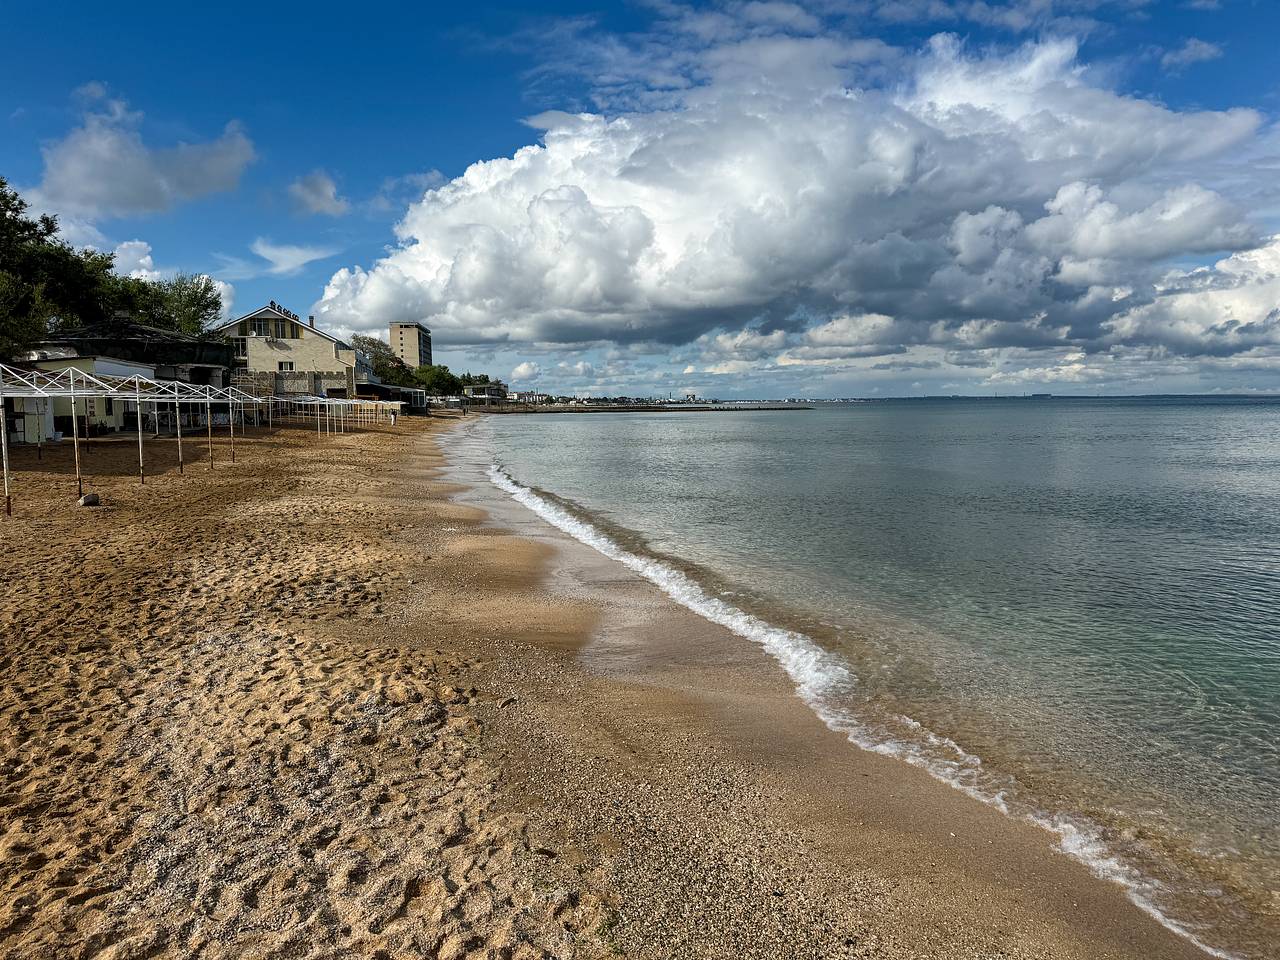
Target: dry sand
[{"x": 307, "y": 705}]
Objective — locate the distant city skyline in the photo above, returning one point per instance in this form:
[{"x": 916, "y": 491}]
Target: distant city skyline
[{"x": 759, "y": 199}]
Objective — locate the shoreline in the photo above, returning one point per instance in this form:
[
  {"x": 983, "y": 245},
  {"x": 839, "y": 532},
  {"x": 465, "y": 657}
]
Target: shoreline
[
  {"x": 726, "y": 660},
  {"x": 315, "y": 699},
  {"x": 820, "y": 677}
]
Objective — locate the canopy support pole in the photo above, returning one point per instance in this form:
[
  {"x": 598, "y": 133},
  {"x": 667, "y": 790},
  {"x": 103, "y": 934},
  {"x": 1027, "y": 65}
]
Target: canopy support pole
[
  {"x": 208, "y": 423},
  {"x": 4, "y": 446},
  {"x": 177, "y": 418},
  {"x": 75, "y": 435},
  {"x": 231, "y": 421},
  {"x": 142, "y": 476}
]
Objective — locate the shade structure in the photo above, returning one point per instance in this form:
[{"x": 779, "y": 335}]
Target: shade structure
[{"x": 338, "y": 414}]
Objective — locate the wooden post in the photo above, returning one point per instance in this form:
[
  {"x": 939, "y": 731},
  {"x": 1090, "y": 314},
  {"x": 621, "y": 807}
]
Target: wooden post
[{"x": 142, "y": 477}]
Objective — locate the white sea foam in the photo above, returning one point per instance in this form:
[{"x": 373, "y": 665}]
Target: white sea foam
[{"x": 820, "y": 677}]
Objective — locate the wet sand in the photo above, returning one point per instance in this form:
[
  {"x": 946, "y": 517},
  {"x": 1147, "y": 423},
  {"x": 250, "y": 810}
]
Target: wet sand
[{"x": 311, "y": 705}]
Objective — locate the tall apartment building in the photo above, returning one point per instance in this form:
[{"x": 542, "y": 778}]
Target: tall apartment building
[{"x": 412, "y": 344}]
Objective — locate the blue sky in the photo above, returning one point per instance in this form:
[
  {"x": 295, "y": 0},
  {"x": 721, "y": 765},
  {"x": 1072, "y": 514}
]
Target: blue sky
[{"x": 671, "y": 240}]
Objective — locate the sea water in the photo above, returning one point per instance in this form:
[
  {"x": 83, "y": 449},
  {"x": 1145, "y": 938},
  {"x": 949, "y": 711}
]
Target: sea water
[{"x": 1069, "y": 609}]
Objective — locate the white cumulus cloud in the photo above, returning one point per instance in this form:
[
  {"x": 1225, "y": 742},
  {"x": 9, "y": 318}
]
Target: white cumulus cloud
[
  {"x": 776, "y": 192},
  {"x": 525, "y": 371},
  {"x": 133, "y": 259}
]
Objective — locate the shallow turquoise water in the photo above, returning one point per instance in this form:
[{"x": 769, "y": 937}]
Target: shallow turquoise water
[{"x": 1084, "y": 594}]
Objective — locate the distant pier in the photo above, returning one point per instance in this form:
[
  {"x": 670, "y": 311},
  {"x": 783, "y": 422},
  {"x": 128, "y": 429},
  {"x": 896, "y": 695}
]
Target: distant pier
[{"x": 637, "y": 407}]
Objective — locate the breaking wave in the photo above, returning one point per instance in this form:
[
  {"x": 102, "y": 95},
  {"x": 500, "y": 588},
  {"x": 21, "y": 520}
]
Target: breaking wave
[{"x": 822, "y": 680}]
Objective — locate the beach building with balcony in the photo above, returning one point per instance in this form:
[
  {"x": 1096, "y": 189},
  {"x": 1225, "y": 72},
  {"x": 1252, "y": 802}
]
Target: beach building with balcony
[
  {"x": 275, "y": 352},
  {"x": 486, "y": 394},
  {"x": 528, "y": 396},
  {"x": 411, "y": 342}
]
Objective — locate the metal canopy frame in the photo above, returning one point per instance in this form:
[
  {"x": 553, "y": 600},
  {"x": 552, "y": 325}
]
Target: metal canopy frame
[{"x": 332, "y": 414}]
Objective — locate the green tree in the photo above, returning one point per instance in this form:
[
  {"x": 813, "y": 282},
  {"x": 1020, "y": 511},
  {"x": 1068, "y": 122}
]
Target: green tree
[
  {"x": 437, "y": 380},
  {"x": 387, "y": 367},
  {"x": 46, "y": 282},
  {"x": 24, "y": 314},
  {"x": 469, "y": 379},
  {"x": 189, "y": 303},
  {"x": 136, "y": 299}
]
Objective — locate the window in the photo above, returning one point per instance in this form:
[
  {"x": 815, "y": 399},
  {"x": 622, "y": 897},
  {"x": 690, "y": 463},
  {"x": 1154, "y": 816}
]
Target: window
[
  {"x": 241, "y": 346},
  {"x": 286, "y": 366},
  {"x": 280, "y": 329},
  {"x": 262, "y": 327}
]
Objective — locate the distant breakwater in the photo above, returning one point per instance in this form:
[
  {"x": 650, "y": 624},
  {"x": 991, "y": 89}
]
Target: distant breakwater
[{"x": 640, "y": 408}]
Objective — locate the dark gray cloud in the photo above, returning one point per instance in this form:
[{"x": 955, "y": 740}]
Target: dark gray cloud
[
  {"x": 317, "y": 193},
  {"x": 103, "y": 168}
]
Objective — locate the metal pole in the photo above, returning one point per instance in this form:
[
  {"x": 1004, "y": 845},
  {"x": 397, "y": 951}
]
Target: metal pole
[
  {"x": 231, "y": 421},
  {"x": 208, "y": 423},
  {"x": 142, "y": 477},
  {"x": 177, "y": 418},
  {"x": 39, "y": 429},
  {"x": 75, "y": 435},
  {"x": 4, "y": 446},
  {"x": 317, "y": 418}
]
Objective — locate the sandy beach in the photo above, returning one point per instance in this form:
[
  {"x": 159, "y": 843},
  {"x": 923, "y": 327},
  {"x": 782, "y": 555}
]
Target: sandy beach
[{"x": 327, "y": 702}]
